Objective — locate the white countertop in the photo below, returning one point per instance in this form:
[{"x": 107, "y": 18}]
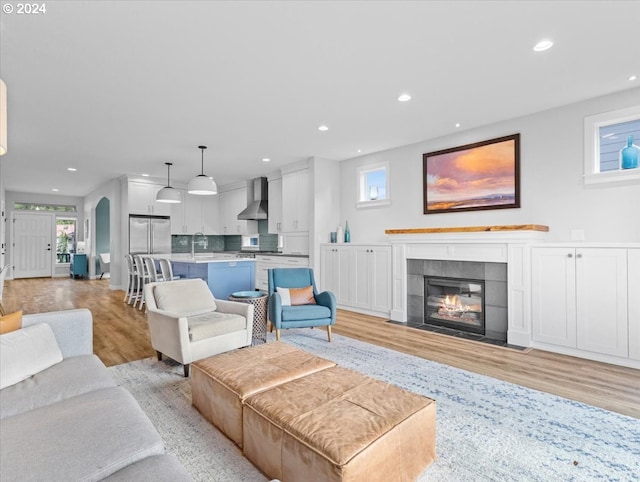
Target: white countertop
[{"x": 187, "y": 258}]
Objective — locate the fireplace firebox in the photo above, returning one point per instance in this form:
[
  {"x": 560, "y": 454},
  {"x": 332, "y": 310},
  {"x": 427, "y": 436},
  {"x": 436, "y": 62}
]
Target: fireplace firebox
[{"x": 455, "y": 303}]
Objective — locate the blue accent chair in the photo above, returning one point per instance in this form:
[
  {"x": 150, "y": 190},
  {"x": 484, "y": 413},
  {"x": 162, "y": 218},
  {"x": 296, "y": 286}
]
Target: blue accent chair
[{"x": 323, "y": 313}]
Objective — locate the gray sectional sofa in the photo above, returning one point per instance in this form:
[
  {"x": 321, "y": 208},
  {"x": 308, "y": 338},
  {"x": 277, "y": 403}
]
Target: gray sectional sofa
[{"x": 70, "y": 421}]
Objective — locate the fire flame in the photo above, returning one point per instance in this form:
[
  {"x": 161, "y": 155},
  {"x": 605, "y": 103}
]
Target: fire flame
[{"x": 452, "y": 304}]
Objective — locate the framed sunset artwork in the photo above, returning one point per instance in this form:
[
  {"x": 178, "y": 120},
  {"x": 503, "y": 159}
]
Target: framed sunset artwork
[{"x": 473, "y": 177}]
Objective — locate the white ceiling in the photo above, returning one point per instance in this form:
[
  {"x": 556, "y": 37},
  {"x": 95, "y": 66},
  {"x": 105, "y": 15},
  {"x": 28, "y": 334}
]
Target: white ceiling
[{"x": 121, "y": 87}]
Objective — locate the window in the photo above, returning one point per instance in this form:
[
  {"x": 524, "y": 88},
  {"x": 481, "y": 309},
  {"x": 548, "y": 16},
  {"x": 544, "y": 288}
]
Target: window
[
  {"x": 65, "y": 239},
  {"x": 373, "y": 186},
  {"x": 605, "y": 137},
  {"x": 43, "y": 207}
]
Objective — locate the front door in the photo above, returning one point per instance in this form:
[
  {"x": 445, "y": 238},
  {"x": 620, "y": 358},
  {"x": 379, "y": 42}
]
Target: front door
[{"x": 32, "y": 249}]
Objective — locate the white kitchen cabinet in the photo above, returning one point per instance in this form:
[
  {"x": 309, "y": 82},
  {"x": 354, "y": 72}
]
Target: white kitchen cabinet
[
  {"x": 142, "y": 199},
  {"x": 580, "y": 298},
  {"x": 358, "y": 275},
  {"x": 335, "y": 272},
  {"x": 275, "y": 206},
  {"x": 265, "y": 262},
  {"x": 231, "y": 203},
  {"x": 195, "y": 214},
  {"x": 296, "y": 201}
]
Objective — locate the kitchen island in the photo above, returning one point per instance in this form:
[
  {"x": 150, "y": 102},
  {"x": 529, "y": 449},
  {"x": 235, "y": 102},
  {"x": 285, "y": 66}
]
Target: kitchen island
[{"x": 223, "y": 276}]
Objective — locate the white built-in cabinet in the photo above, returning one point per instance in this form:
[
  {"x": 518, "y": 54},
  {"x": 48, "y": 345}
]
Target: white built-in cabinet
[
  {"x": 580, "y": 299},
  {"x": 142, "y": 199},
  {"x": 359, "y": 275},
  {"x": 231, "y": 203},
  {"x": 195, "y": 214},
  {"x": 275, "y": 206},
  {"x": 296, "y": 201}
]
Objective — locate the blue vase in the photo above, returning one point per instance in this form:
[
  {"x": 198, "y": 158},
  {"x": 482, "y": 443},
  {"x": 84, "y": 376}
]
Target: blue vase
[
  {"x": 629, "y": 155},
  {"x": 347, "y": 233}
]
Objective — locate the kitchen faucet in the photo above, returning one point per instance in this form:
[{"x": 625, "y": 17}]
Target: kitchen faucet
[{"x": 193, "y": 243}]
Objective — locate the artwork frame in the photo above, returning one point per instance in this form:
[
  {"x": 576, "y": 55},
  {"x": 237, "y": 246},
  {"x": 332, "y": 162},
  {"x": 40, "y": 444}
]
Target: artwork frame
[{"x": 474, "y": 177}]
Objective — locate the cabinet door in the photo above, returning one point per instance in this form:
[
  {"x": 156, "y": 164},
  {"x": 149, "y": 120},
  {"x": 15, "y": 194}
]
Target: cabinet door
[
  {"x": 193, "y": 213},
  {"x": 633, "y": 263},
  {"x": 361, "y": 286},
  {"x": 554, "y": 296},
  {"x": 380, "y": 278},
  {"x": 275, "y": 206},
  {"x": 178, "y": 224},
  {"x": 601, "y": 277},
  {"x": 295, "y": 201},
  {"x": 336, "y": 272},
  {"x": 139, "y": 194},
  {"x": 209, "y": 212}
]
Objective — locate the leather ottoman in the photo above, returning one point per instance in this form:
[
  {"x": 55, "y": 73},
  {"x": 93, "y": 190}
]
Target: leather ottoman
[
  {"x": 221, "y": 383},
  {"x": 339, "y": 425}
]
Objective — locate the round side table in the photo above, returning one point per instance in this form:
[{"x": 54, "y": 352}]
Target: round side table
[{"x": 259, "y": 301}]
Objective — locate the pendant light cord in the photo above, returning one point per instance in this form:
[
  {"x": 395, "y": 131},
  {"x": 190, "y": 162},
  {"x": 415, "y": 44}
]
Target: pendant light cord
[{"x": 202, "y": 148}]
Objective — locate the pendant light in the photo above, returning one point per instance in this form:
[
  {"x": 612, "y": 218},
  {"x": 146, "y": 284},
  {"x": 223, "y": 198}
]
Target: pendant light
[
  {"x": 202, "y": 184},
  {"x": 168, "y": 194}
]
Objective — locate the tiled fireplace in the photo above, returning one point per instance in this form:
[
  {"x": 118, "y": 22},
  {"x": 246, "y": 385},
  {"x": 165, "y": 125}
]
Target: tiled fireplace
[
  {"x": 465, "y": 296},
  {"x": 498, "y": 256}
]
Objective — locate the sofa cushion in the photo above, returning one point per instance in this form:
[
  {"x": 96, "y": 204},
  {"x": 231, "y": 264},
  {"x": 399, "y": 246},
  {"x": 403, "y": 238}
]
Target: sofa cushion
[
  {"x": 87, "y": 437},
  {"x": 25, "y": 352},
  {"x": 188, "y": 297},
  {"x": 305, "y": 312},
  {"x": 152, "y": 469},
  {"x": 10, "y": 322},
  {"x": 71, "y": 377},
  {"x": 296, "y": 296},
  {"x": 214, "y": 323}
]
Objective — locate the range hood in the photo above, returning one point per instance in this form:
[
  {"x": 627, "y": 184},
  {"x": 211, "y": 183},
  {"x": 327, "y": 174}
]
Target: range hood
[{"x": 258, "y": 208}]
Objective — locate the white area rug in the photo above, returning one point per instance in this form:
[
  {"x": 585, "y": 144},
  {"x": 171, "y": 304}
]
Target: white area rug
[{"x": 488, "y": 430}]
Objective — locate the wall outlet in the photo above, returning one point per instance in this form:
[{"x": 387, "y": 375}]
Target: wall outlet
[{"x": 577, "y": 235}]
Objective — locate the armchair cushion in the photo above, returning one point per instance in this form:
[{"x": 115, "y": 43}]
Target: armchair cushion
[
  {"x": 186, "y": 298},
  {"x": 305, "y": 312},
  {"x": 214, "y": 323},
  {"x": 296, "y": 296}
]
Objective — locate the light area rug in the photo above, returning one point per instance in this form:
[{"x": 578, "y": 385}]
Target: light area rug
[{"x": 487, "y": 429}]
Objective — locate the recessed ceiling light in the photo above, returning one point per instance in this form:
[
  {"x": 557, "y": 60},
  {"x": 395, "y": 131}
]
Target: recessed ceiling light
[
  {"x": 543, "y": 45},
  {"x": 457, "y": 124},
  {"x": 359, "y": 151},
  {"x": 145, "y": 175},
  {"x": 55, "y": 189},
  {"x": 633, "y": 77},
  {"x": 72, "y": 169},
  {"x": 404, "y": 98},
  {"x": 265, "y": 159},
  {"x": 323, "y": 128}
]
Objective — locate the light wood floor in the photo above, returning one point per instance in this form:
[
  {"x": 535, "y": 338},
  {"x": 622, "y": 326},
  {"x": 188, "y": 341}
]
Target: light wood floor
[{"x": 121, "y": 335}]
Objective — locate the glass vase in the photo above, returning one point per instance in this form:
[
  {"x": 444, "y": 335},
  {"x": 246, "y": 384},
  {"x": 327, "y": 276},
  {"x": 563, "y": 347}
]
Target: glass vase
[{"x": 629, "y": 155}]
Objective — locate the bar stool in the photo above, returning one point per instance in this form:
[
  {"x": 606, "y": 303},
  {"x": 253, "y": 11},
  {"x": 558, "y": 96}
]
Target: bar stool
[
  {"x": 143, "y": 278},
  {"x": 167, "y": 270},
  {"x": 132, "y": 283}
]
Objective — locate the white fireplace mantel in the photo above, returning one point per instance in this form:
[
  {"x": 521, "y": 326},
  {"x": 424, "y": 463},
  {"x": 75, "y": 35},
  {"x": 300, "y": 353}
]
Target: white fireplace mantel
[{"x": 499, "y": 244}]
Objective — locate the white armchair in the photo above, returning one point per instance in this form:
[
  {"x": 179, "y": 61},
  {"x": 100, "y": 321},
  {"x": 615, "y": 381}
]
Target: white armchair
[{"x": 188, "y": 324}]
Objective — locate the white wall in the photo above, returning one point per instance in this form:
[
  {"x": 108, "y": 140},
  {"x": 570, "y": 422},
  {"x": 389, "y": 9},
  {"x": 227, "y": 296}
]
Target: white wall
[
  {"x": 552, "y": 190},
  {"x": 117, "y": 268}
]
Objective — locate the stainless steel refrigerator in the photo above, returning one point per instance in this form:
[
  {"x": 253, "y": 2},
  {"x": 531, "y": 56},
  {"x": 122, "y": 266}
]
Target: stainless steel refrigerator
[{"x": 149, "y": 234}]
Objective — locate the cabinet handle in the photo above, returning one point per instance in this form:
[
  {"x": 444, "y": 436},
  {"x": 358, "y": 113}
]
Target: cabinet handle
[{"x": 570, "y": 255}]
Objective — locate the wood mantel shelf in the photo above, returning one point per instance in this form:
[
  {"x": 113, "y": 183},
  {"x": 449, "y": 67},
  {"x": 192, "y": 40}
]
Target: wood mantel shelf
[{"x": 471, "y": 229}]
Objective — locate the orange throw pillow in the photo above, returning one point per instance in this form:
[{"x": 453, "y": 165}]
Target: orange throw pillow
[
  {"x": 302, "y": 296},
  {"x": 10, "y": 322}
]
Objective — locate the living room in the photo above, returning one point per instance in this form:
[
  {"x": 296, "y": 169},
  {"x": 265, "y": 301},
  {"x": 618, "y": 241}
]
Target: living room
[{"x": 583, "y": 210}]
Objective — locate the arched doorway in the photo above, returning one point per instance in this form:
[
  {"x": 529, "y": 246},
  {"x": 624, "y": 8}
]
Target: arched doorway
[{"x": 103, "y": 231}]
